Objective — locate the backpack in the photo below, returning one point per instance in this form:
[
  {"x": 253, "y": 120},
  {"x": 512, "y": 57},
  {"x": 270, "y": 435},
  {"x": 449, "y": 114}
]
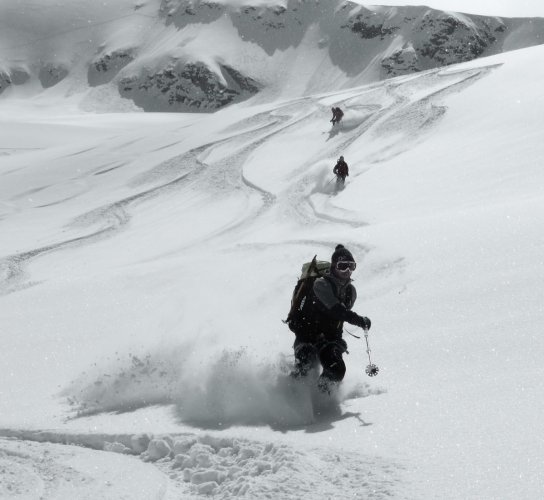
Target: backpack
[
  {"x": 310, "y": 272},
  {"x": 341, "y": 168}
]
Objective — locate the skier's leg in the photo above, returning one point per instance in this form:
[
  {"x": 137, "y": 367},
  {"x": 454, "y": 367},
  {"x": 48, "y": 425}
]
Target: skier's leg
[
  {"x": 334, "y": 368},
  {"x": 305, "y": 358}
]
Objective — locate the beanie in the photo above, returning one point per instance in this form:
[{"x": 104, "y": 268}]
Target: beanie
[{"x": 341, "y": 253}]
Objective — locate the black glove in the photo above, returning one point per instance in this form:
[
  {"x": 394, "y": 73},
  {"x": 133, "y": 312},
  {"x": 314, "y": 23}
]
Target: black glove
[
  {"x": 364, "y": 322},
  {"x": 355, "y": 319}
]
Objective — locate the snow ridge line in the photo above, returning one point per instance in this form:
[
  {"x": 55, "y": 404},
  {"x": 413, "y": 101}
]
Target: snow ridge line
[{"x": 132, "y": 444}]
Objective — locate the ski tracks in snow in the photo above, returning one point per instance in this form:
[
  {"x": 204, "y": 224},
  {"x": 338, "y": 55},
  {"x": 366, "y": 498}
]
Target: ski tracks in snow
[
  {"x": 399, "y": 113},
  {"x": 185, "y": 170},
  {"x": 47, "y": 471}
]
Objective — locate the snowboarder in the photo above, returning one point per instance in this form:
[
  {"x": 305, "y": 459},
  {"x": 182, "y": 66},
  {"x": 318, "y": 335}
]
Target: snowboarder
[
  {"x": 337, "y": 115},
  {"x": 319, "y": 333},
  {"x": 341, "y": 171}
]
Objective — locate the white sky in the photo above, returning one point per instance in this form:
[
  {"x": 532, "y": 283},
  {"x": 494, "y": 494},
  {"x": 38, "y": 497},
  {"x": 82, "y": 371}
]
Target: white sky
[{"x": 508, "y": 8}]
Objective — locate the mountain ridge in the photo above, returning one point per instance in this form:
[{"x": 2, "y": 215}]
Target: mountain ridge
[{"x": 201, "y": 55}]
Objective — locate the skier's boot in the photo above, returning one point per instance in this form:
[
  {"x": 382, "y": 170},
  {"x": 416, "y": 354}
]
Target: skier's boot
[{"x": 326, "y": 385}]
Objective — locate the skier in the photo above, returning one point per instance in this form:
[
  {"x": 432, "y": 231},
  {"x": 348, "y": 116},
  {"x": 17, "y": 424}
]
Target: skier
[
  {"x": 319, "y": 333},
  {"x": 341, "y": 171},
  {"x": 337, "y": 115}
]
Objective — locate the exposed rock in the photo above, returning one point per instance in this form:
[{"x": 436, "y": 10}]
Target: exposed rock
[
  {"x": 19, "y": 76},
  {"x": 104, "y": 69},
  {"x": 450, "y": 40},
  {"x": 201, "y": 55},
  {"x": 277, "y": 27},
  {"x": 5, "y": 81},
  {"x": 188, "y": 87},
  {"x": 401, "y": 62},
  {"x": 370, "y": 25},
  {"x": 50, "y": 74},
  {"x": 182, "y": 13}
]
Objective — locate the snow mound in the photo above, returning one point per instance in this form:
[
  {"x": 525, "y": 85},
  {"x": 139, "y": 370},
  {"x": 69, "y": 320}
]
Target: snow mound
[{"x": 203, "y": 465}]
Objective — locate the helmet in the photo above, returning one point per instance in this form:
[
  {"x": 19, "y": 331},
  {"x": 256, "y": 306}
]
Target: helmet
[{"x": 341, "y": 158}]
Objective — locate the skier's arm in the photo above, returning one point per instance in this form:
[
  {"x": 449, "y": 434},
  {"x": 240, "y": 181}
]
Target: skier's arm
[
  {"x": 341, "y": 313},
  {"x": 329, "y": 304}
]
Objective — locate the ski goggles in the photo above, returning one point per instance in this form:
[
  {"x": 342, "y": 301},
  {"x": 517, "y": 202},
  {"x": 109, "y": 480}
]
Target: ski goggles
[{"x": 345, "y": 265}]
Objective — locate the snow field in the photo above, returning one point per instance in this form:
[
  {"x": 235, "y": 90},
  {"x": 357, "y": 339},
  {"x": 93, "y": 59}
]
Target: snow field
[{"x": 148, "y": 262}]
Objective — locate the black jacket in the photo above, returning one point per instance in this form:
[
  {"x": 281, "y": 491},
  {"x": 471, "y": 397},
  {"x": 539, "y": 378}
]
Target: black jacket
[
  {"x": 325, "y": 310},
  {"x": 341, "y": 169}
]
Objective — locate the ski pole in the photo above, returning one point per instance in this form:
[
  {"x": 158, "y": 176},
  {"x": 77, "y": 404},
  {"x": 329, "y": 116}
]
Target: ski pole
[{"x": 371, "y": 369}]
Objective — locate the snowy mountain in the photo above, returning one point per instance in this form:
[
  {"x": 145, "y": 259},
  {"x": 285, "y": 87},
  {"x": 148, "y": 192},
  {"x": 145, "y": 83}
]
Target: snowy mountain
[
  {"x": 147, "y": 260},
  {"x": 201, "y": 55}
]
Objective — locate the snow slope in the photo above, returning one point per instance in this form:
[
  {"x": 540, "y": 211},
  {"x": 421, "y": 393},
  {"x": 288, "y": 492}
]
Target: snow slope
[{"x": 147, "y": 260}]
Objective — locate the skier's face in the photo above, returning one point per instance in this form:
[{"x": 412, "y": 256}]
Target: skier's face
[{"x": 344, "y": 268}]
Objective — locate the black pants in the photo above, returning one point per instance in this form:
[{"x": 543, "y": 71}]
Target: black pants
[{"x": 328, "y": 354}]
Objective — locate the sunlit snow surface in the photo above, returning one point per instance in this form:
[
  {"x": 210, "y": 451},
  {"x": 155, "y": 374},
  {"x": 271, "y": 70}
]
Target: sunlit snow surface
[{"x": 147, "y": 262}]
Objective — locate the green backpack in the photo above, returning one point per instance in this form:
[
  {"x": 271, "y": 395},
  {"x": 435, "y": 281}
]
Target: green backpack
[{"x": 310, "y": 272}]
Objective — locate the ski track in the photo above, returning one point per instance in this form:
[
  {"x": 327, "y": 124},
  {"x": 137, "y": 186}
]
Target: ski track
[
  {"x": 407, "y": 118},
  {"x": 115, "y": 216},
  {"x": 112, "y": 217},
  {"x": 199, "y": 465},
  {"x": 205, "y": 464},
  {"x": 403, "y": 116}
]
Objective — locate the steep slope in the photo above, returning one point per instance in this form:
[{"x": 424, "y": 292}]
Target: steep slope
[
  {"x": 201, "y": 55},
  {"x": 150, "y": 258}
]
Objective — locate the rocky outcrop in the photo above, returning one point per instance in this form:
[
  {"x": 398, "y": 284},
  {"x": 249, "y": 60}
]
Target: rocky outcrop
[
  {"x": 450, "y": 39},
  {"x": 188, "y": 87},
  {"x": 369, "y": 25},
  {"x": 5, "y": 81},
  {"x": 183, "y": 13},
  {"x": 105, "y": 68},
  {"x": 433, "y": 39},
  {"x": 19, "y": 76},
  {"x": 13, "y": 76},
  {"x": 50, "y": 74},
  {"x": 202, "y": 55},
  {"x": 401, "y": 62}
]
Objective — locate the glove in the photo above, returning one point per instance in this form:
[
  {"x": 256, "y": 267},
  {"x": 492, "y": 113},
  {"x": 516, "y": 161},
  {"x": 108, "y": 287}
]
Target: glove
[
  {"x": 364, "y": 322},
  {"x": 355, "y": 319}
]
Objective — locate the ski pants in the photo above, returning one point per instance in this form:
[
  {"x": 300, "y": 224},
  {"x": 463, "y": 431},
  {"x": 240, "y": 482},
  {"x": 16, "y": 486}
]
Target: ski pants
[{"x": 328, "y": 354}]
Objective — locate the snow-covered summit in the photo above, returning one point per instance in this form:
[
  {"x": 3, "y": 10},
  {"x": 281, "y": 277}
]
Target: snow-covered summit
[{"x": 201, "y": 55}]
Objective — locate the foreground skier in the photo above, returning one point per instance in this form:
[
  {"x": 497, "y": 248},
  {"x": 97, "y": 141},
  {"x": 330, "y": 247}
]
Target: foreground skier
[{"x": 319, "y": 324}]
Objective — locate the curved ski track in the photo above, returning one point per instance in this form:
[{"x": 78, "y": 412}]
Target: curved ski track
[{"x": 408, "y": 117}]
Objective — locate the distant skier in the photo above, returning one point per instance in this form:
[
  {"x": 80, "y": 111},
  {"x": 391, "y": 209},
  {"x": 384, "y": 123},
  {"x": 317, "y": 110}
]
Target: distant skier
[
  {"x": 337, "y": 115},
  {"x": 341, "y": 170},
  {"x": 318, "y": 331}
]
